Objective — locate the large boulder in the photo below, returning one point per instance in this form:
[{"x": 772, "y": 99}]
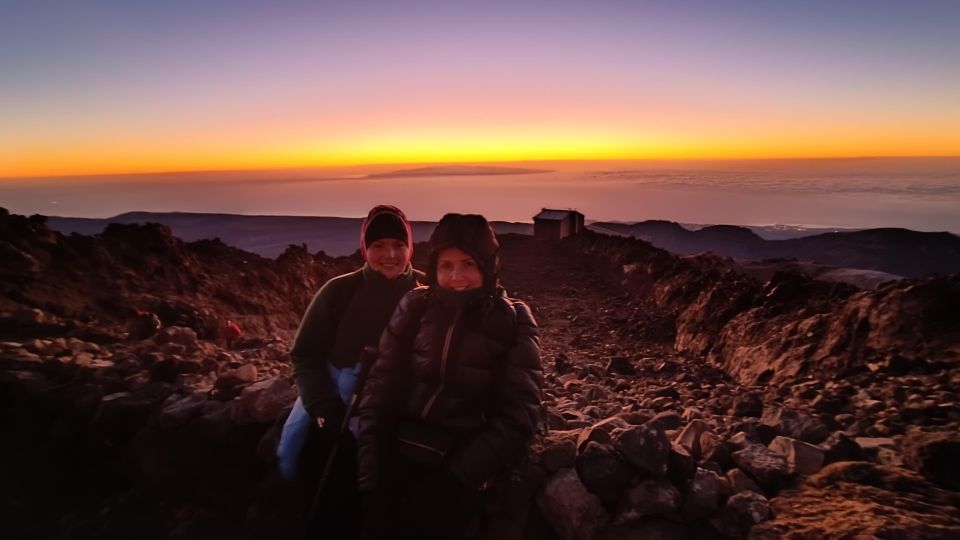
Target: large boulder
[
  {"x": 602, "y": 471},
  {"x": 689, "y": 437},
  {"x": 262, "y": 402},
  {"x": 703, "y": 496},
  {"x": 572, "y": 512},
  {"x": 647, "y": 448},
  {"x": 795, "y": 424},
  {"x": 765, "y": 466},
  {"x": 802, "y": 458},
  {"x": 231, "y": 382}
]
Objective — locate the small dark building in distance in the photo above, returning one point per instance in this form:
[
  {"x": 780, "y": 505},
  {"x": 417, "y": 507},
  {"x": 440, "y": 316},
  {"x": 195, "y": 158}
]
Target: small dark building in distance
[{"x": 552, "y": 224}]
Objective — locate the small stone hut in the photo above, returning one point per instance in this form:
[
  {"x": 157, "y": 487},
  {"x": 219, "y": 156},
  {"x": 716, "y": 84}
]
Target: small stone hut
[{"x": 556, "y": 224}]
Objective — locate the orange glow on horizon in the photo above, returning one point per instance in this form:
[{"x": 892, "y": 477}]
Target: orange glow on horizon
[{"x": 399, "y": 150}]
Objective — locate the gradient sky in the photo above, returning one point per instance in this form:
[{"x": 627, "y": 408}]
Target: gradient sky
[{"x": 125, "y": 86}]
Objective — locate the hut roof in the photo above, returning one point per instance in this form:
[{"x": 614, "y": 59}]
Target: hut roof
[{"x": 554, "y": 215}]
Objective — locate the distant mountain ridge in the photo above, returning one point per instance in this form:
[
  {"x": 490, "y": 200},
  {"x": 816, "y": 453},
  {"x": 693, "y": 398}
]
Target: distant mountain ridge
[
  {"x": 267, "y": 236},
  {"x": 767, "y": 232},
  {"x": 455, "y": 170},
  {"x": 897, "y": 251}
]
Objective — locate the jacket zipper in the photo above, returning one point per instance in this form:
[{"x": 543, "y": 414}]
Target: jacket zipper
[
  {"x": 441, "y": 453},
  {"x": 443, "y": 365}
]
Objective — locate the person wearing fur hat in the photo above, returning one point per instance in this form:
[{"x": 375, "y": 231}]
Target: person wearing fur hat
[
  {"x": 454, "y": 395},
  {"x": 346, "y": 315}
]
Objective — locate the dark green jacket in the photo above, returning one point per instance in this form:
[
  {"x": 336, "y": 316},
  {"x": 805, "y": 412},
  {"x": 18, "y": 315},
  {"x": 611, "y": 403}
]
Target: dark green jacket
[{"x": 347, "y": 314}]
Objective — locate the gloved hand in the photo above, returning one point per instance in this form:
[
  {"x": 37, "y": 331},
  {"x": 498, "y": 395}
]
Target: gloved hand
[{"x": 329, "y": 416}]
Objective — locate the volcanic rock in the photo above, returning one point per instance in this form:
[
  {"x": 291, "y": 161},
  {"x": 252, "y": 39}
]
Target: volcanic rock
[
  {"x": 602, "y": 471},
  {"x": 749, "y": 404},
  {"x": 840, "y": 447},
  {"x": 681, "y": 466},
  {"x": 802, "y": 458},
  {"x": 648, "y": 498},
  {"x": 740, "y": 440},
  {"x": 689, "y": 437},
  {"x": 177, "y": 410},
  {"x": 187, "y": 337},
  {"x": 934, "y": 455},
  {"x": 795, "y": 425},
  {"x": 703, "y": 496},
  {"x": 600, "y": 432},
  {"x": 880, "y": 449},
  {"x": 621, "y": 365},
  {"x": 714, "y": 448},
  {"x": 739, "y": 481},
  {"x": 646, "y": 447},
  {"x": 242, "y": 375},
  {"x": 557, "y": 450},
  {"x": 669, "y": 419},
  {"x": 262, "y": 402},
  {"x": 865, "y": 500},
  {"x": 571, "y": 510},
  {"x": 765, "y": 466},
  {"x": 742, "y": 512}
]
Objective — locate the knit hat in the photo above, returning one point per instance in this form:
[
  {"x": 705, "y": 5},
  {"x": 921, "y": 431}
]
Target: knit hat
[
  {"x": 385, "y": 221},
  {"x": 472, "y": 234}
]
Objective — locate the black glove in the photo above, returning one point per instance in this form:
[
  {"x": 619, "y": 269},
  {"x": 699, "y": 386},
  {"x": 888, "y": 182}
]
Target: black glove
[{"x": 330, "y": 415}]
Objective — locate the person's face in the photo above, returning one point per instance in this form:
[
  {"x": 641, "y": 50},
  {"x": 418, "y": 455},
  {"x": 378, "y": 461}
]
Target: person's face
[
  {"x": 389, "y": 256},
  {"x": 458, "y": 271}
]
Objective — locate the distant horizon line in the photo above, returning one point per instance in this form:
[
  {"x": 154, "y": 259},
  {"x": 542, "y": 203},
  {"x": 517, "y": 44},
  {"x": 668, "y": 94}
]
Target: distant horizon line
[
  {"x": 684, "y": 224},
  {"x": 467, "y": 163}
]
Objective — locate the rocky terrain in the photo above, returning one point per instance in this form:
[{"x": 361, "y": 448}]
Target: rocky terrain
[{"x": 684, "y": 398}]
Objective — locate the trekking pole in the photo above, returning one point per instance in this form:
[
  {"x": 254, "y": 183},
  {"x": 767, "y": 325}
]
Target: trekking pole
[{"x": 367, "y": 357}]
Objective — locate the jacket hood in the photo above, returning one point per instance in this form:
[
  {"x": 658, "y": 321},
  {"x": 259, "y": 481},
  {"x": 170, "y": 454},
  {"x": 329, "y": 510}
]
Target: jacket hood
[
  {"x": 385, "y": 209},
  {"x": 472, "y": 234}
]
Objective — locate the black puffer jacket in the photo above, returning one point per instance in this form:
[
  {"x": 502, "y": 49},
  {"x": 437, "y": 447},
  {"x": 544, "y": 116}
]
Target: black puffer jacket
[{"x": 472, "y": 372}]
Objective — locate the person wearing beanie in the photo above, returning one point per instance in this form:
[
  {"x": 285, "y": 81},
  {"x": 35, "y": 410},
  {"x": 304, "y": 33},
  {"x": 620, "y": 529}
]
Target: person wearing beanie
[
  {"x": 346, "y": 315},
  {"x": 454, "y": 396}
]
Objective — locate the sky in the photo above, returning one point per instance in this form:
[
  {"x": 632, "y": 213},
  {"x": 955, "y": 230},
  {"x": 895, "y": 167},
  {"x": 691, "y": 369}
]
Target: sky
[{"x": 99, "y": 87}]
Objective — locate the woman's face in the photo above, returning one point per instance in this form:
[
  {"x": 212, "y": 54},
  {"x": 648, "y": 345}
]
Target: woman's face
[
  {"x": 388, "y": 256},
  {"x": 458, "y": 271}
]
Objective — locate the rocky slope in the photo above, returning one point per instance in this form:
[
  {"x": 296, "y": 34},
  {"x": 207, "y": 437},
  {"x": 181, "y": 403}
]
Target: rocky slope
[
  {"x": 684, "y": 399},
  {"x": 900, "y": 252}
]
